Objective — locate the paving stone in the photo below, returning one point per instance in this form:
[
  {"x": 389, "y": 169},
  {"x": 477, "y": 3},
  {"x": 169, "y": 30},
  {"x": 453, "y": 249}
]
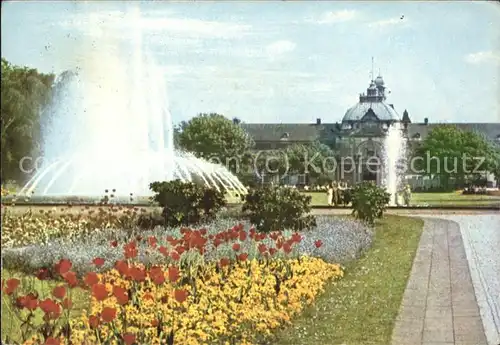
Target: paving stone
[
  {"x": 463, "y": 295},
  {"x": 415, "y": 283},
  {"x": 458, "y": 277},
  {"x": 458, "y": 255},
  {"x": 438, "y": 312},
  {"x": 399, "y": 340},
  {"x": 415, "y": 297},
  {"x": 472, "y": 339},
  {"x": 409, "y": 330},
  {"x": 468, "y": 325},
  {"x": 409, "y": 312},
  {"x": 412, "y": 301},
  {"x": 438, "y": 329},
  {"x": 465, "y": 309}
]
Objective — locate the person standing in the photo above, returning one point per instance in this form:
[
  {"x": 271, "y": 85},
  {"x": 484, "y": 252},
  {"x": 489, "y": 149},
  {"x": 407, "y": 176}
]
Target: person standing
[
  {"x": 407, "y": 195},
  {"x": 335, "y": 195},
  {"x": 341, "y": 193},
  {"x": 347, "y": 194},
  {"x": 329, "y": 193}
]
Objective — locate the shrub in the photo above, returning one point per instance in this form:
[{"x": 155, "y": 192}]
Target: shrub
[
  {"x": 272, "y": 208},
  {"x": 186, "y": 203},
  {"x": 369, "y": 201},
  {"x": 150, "y": 220}
]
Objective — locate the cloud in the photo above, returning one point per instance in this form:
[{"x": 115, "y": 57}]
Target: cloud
[
  {"x": 336, "y": 17},
  {"x": 388, "y": 22},
  {"x": 483, "y": 57},
  {"x": 92, "y": 23},
  {"x": 279, "y": 48},
  {"x": 194, "y": 27}
]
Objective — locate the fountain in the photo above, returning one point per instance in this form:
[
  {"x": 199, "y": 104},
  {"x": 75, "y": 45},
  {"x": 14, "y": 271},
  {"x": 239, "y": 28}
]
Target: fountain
[
  {"x": 394, "y": 154},
  {"x": 109, "y": 126}
]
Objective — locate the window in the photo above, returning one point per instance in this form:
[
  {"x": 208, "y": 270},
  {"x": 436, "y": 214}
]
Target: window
[
  {"x": 370, "y": 124},
  {"x": 301, "y": 179}
]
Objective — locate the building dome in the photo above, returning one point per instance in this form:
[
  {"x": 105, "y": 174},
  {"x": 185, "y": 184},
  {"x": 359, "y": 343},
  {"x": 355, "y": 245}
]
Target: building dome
[
  {"x": 379, "y": 81},
  {"x": 374, "y": 102},
  {"x": 382, "y": 110}
]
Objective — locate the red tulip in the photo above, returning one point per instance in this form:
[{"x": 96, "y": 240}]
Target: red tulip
[
  {"x": 63, "y": 266},
  {"x": 11, "y": 286},
  {"x": 59, "y": 292},
  {"x": 180, "y": 295},
  {"x": 91, "y": 278},
  {"x": 108, "y": 314},
  {"x": 128, "y": 338},
  {"x": 98, "y": 262}
]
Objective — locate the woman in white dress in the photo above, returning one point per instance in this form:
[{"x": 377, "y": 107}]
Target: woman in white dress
[{"x": 329, "y": 193}]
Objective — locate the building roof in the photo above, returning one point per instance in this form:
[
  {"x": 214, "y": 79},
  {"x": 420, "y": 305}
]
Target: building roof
[
  {"x": 490, "y": 130},
  {"x": 297, "y": 132},
  {"x": 282, "y": 131},
  {"x": 383, "y": 111}
]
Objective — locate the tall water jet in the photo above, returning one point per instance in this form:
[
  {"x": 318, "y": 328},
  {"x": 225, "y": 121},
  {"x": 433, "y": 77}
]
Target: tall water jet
[
  {"x": 394, "y": 155},
  {"x": 109, "y": 126}
]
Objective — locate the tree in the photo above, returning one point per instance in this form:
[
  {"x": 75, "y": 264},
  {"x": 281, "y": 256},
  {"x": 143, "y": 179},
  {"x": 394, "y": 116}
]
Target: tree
[
  {"x": 25, "y": 92},
  {"x": 449, "y": 152},
  {"x": 313, "y": 158},
  {"x": 216, "y": 138}
]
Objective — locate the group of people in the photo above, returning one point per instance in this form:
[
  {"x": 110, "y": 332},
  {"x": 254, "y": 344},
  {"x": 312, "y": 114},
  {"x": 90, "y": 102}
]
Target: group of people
[{"x": 339, "y": 193}]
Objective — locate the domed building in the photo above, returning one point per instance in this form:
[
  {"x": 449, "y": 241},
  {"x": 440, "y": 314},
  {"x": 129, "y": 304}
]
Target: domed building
[
  {"x": 358, "y": 139},
  {"x": 362, "y": 132}
]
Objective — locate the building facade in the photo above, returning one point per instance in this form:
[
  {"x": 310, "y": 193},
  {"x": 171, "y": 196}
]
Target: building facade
[{"x": 358, "y": 140}]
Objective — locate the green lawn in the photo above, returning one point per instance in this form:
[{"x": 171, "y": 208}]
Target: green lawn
[
  {"x": 431, "y": 199},
  {"x": 362, "y": 307}
]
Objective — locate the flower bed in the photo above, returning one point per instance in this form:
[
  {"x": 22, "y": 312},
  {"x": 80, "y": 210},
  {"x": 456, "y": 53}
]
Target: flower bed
[
  {"x": 42, "y": 226},
  {"x": 343, "y": 240},
  {"x": 237, "y": 295}
]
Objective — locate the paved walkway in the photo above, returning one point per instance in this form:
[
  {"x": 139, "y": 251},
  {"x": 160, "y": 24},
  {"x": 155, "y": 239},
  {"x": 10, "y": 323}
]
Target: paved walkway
[
  {"x": 439, "y": 305},
  {"x": 402, "y": 212}
]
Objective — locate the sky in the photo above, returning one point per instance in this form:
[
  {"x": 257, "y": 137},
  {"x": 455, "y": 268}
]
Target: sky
[{"x": 281, "y": 62}]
